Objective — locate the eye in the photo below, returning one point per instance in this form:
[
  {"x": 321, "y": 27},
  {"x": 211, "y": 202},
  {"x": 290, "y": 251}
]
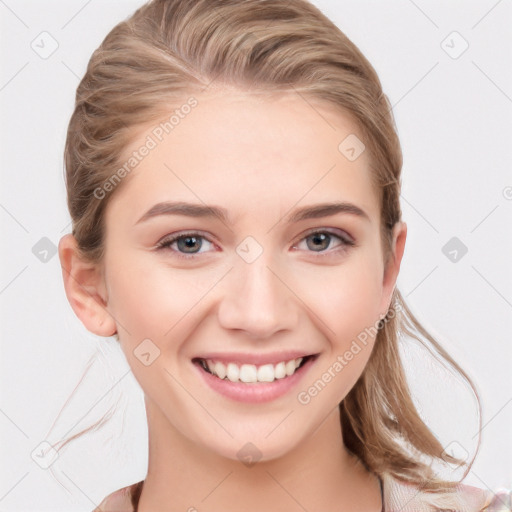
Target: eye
[
  {"x": 321, "y": 240},
  {"x": 186, "y": 245}
]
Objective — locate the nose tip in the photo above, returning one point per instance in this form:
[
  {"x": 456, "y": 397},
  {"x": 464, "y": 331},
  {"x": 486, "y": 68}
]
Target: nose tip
[{"x": 257, "y": 301}]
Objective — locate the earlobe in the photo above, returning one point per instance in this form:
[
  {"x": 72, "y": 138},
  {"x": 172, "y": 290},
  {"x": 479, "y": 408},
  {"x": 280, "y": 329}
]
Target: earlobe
[{"x": 85, "y": 289}]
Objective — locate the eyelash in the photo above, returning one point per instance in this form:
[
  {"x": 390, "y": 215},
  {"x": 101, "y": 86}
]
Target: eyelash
[{"x": 346, "y": 243}]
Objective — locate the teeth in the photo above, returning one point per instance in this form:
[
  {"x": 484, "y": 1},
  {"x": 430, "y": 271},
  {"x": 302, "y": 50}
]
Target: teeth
[
  {"x": 250, "y": 373},
  {"x": 266, "y": 373},
  {"x": 290, "y": 367},
  {"x": 233, "y": 372},
  {"x": 280, "y": 371},
  {"x": 220, "y": 370}
]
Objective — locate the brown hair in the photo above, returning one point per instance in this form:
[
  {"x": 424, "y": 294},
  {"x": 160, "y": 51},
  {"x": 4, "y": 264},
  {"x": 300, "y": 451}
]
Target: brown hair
[{"x": 170, "y": 49}]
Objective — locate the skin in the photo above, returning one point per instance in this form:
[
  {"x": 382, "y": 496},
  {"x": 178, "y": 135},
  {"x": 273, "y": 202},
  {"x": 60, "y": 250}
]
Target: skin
[{"x": 259, "y": 158}]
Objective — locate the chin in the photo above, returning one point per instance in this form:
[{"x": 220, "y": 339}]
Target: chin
[{"x": 250, "y": 449}]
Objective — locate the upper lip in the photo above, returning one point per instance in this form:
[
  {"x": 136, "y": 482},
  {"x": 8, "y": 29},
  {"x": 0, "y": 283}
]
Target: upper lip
[{"x": 256, "y": 359}]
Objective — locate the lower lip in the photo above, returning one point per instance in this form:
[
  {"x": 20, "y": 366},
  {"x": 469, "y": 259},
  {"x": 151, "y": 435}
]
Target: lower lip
[{"x": 255, "y": 392}]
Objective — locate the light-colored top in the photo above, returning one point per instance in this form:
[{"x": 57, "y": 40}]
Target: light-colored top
[{"x": 397, "y": 497}]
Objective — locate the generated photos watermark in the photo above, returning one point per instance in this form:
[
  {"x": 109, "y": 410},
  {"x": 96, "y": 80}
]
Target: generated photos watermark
[
  {"x": 342, "y": 360},
  {"x": 157, "y": 135}
]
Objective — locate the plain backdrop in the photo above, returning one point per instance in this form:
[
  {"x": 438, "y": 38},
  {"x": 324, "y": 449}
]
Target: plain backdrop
[{"x": 446, "y": 67}]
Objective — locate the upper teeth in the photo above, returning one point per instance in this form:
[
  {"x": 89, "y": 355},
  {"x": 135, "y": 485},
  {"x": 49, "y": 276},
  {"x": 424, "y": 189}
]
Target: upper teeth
[{"x": 251, "y": 372}]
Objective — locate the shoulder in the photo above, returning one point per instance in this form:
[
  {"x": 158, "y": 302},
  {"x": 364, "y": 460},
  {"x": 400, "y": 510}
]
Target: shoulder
[
  {"x": 410, "y": 498},
  {"x": 120, "y": 500},
  {"x": 398, "y": 496}
]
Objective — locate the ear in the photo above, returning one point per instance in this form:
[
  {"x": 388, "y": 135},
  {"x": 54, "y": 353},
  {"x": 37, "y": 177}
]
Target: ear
[
  {"x": 393, "y": 266},
  {"x": 85, "y": 289}
]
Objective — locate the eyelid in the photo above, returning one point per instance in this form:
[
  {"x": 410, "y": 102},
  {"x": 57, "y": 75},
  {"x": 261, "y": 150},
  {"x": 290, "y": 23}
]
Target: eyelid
[
  {"x": 166, "y": 241},
  {"x": 184, "y": 233},
  {"x": 340, "y": 233},
  {"x": 346, "y": 241}
]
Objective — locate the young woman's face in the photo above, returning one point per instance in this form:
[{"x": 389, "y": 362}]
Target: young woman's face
[{"x": 291, "y": 268}]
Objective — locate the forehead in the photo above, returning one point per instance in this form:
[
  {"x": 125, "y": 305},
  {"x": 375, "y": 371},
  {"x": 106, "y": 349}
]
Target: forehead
[{"x": 249, "y": 150}]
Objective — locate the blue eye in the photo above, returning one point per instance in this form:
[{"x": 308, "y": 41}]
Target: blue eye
[
  {"x": 320, "y": 241},
  {"x": 189, "y": 245}
]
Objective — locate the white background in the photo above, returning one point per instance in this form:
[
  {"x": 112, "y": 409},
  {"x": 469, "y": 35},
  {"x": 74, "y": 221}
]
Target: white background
[{"x": 454, "y": 117}]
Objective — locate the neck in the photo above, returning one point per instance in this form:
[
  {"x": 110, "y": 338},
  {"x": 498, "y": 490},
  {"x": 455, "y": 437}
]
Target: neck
[{"x": 319, "y": 474}]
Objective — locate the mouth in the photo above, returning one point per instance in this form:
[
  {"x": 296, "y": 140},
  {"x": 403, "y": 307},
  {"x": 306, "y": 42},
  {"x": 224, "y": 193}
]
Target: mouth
[{"x": 252, "y": 373}]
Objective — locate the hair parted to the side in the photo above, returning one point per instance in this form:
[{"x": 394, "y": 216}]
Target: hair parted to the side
[{"x": 171, "y": 49}]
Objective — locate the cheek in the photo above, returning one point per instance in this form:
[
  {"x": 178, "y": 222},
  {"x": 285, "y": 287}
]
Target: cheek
[
  {"x": 349, "y": 299},
  {"x": 150, "y": 300},
  {"x": 349, "y": 307},
  {"x": 145, "y": 295},
  {"x": 136, "y": 298}
]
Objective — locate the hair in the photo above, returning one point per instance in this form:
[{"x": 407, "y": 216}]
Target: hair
[{"x": 170, "y": 49}]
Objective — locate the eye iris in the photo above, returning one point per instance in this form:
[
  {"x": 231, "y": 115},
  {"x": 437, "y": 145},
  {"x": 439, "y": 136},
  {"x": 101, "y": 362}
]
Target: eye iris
[
  {"x": 319, "y": 238},
  {"x": 188, "y": 242}
]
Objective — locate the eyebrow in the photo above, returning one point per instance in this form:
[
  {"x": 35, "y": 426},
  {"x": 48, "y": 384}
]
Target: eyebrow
[
  {"x": 187, "y": 209},
  {"x": 210, "y": 211},
  {"x": 326, "y": 210}
]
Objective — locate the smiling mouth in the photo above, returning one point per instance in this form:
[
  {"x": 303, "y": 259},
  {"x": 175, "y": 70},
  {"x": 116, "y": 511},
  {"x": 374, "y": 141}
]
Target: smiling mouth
[{"x": 250, "y": 373}]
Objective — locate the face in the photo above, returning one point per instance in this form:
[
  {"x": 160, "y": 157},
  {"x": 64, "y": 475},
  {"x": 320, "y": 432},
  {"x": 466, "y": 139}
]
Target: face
[{"x": 246, "y": 242}]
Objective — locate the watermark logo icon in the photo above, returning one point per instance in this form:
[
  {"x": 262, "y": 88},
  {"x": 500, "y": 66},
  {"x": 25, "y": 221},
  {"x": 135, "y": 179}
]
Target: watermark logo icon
[
  {"x": 44, "y": 455},
  {"x": 249, "y": 249},
  {"x": 146, "y": 352},
  {"x": 454, "y": 249},
  {"x": 455, "y": 449},
  {"x": 44, "y": 250},
  {"x": 454, "y": 45},
  {"x": 45, "y": 45},
  {"x": 351, "y": 147},
  {"x": 249, "y": 454}
]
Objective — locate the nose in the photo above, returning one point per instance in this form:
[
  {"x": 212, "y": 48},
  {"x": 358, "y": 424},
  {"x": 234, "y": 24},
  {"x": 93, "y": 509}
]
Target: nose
[{"x": 257, "y": 300}]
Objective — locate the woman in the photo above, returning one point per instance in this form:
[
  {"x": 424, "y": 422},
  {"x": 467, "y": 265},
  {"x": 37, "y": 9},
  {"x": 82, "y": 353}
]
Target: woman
[{"x": 233, "y": 177}]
